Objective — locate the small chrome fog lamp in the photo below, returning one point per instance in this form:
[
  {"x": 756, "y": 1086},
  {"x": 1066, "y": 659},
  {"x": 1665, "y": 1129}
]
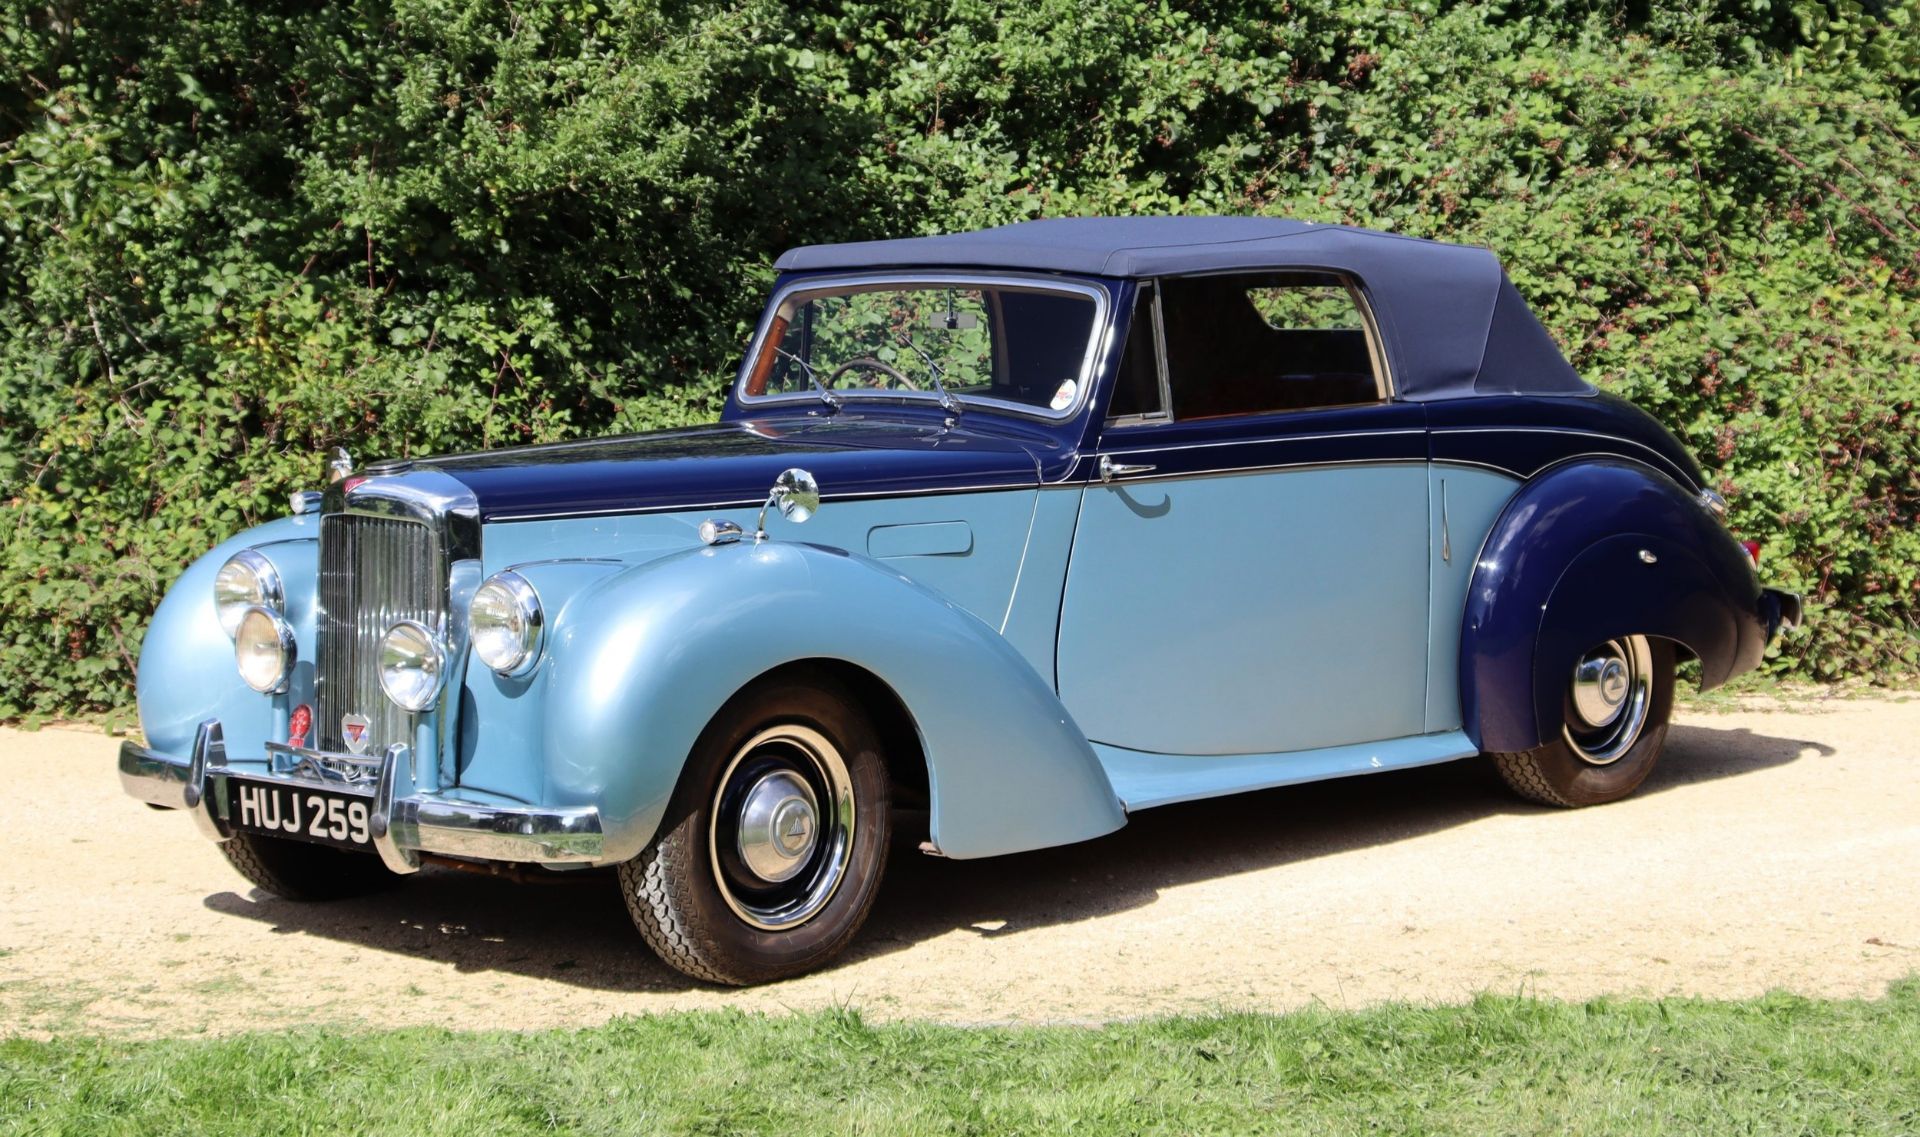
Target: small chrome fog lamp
[
  {"x": 505, "y": 623},
  {"x": 248, "y": 579},
  {"x": 263, "y": 650},
  {"x": 412, "y": 664}
]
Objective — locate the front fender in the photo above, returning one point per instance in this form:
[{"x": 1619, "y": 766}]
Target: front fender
[
  {"x": 1583, "y": 553},
  {"x": 641, "y": 660},
  {"x": 186, "y": 661}
]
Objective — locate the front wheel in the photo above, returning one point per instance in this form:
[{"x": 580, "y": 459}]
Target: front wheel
[
  {"x": 297, "y": 870},
  {"x": 773, "y": 847},
  {"x": 1614, "y": 715}
]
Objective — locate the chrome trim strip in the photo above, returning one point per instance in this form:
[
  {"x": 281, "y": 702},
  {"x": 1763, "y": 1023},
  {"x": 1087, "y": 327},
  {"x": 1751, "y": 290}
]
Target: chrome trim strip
[
  {"x": 756, "y": 503},
  {"x": 410, "y": 822},
  {"x": 1075, "y": 475},
  {"x": 1685, "y": 477},
  {"x": 1270, "y": 440},
  {"x": 1097, "y": 341},
  {"x": 1327, "y": 464}
]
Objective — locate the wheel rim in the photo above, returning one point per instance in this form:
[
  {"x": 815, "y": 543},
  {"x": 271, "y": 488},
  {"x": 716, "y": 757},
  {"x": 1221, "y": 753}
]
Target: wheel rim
[
  {"x": 782, "y": 825},
  {"x": 1608, "y": 698}
]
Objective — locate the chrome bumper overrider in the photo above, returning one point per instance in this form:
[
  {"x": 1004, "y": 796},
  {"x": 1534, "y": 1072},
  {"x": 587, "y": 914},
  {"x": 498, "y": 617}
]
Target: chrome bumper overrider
[{"x": 403, "y": 823}]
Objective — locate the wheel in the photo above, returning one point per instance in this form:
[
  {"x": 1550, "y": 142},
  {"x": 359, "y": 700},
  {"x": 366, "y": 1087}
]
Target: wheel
[
  {"x": 297, "y": 870},
  {"x": 894, "y": 377},
  {"x": 773, "y": 846},
  {"x": 1614, "y": 722}
]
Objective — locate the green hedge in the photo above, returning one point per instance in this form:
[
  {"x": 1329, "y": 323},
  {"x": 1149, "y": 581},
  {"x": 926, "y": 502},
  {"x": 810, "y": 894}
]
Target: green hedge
[{"x": 236, "y": 232}]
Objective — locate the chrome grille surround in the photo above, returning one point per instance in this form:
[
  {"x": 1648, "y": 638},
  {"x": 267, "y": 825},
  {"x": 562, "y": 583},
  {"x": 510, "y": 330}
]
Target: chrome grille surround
[
  {"x": 392, "y": 548},
  {"x": 374, "y": 572}
]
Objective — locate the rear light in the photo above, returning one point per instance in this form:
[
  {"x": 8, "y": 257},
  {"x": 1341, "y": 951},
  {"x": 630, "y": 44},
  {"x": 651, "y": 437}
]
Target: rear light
[{"x": 1753, "y": 551}]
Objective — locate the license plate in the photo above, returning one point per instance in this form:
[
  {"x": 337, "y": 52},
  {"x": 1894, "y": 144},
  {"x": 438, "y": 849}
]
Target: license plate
[{"x": 300, "y": 812}]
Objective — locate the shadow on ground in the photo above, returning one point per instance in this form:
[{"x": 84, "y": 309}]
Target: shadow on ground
[{"x": 576, "y": 930}]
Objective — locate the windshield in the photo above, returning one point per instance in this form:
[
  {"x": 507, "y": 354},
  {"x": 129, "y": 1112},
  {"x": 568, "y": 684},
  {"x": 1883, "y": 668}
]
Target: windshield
[{"x": 1014, "y": 343}]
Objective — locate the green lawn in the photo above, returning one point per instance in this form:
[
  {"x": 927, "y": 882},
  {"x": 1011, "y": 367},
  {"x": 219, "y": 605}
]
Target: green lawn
[{"x": 1779, "y": 1064}]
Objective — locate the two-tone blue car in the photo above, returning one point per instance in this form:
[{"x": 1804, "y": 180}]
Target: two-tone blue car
[{"x": 1100, "y": 515}]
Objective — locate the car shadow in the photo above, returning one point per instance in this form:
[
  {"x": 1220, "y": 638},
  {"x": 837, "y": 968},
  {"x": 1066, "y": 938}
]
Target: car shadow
[{"x": 575, "y": 930}]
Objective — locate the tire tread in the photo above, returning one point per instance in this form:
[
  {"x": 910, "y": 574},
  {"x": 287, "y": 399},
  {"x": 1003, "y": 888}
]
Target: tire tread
[
  {"x": 1523, "y": 775},
  {"x": 655, "y": 887},
  {"x": 294, "y": 870}
]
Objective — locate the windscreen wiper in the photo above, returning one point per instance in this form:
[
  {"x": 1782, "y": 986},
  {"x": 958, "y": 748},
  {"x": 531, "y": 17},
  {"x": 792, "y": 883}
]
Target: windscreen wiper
[
  {"x": 828, "y": 397},
  {"x": 947, "y": 402}
]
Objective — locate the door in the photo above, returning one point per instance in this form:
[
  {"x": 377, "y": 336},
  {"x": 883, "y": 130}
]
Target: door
[{"x": 1249, "y": 572}]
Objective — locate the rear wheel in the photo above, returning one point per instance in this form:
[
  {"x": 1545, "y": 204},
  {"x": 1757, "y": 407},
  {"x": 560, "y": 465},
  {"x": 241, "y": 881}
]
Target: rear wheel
[
  {"x": 773, "y": 847},
  {"x": 297, "y": 870},
  {"x": 1614, "y": 715}
]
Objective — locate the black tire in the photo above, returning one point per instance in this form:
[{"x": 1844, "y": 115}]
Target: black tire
[
  {"x": 1585, "y": 764},
  {"x": 694, "y": 893},
  {"x": 299, "y": 870}
]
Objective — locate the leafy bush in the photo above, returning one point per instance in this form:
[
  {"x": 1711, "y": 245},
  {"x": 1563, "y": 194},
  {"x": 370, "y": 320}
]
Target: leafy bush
[{"x": 237, "y": 232}]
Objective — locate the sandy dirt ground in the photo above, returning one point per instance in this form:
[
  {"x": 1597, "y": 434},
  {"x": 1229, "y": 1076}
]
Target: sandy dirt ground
[{"x": 1772, "y": 849}]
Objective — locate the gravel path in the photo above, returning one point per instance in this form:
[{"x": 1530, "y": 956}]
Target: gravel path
[{"x": 1775, "y": 848}]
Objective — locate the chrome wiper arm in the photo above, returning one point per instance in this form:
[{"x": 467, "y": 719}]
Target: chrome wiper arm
[
  {"x": 947, "y": 402},
  {"x": 828, "y": 397}
]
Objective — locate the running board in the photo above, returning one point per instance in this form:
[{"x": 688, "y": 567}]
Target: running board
[{"x": 1143, "y": 780}]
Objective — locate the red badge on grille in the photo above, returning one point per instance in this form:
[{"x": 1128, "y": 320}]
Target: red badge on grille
[
  {"x": 299, "y": 725},
  {"x": 353, "y": 729}
]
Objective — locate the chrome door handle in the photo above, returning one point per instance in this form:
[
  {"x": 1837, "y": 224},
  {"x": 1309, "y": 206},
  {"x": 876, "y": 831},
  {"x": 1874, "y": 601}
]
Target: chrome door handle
[{"x": 1110, "y": 469}]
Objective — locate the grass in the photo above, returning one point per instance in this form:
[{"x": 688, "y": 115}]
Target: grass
[{"x": 1778, "y": 1064}]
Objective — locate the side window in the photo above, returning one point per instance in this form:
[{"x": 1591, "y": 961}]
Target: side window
[
  {"x": 1258, "y": 343},
  {"x": 1136, "y": 394}
]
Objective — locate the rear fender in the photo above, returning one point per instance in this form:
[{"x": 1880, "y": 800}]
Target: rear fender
[
  {"x": 1583, "y": 553},
  {"x": 641, "y": 660}
]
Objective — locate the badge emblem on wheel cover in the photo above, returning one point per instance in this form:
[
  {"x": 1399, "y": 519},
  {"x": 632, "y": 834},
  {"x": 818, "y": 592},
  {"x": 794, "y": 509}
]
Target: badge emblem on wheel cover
[{"x": 353, "y": 729}]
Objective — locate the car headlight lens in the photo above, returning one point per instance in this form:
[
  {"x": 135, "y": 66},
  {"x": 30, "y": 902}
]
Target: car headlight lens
[
  {"x": 411, "y": 665},
  {"x": 263, "y": 650},
  {"x": 505, "y": 622},
  {"x": 247, "y": 580}
]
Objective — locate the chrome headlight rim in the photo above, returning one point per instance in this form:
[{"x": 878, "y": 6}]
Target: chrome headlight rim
[
  {"x": 431, "y": 657},
  {"x": 263, "y": 588},
  {"x": 522, "y": 601},
  {"x": 277, "y": 633}
]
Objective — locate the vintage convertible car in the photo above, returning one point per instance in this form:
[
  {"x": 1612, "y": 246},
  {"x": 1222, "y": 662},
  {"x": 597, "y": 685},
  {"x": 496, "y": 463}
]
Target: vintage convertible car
[{"x": 1111, "y": 514}]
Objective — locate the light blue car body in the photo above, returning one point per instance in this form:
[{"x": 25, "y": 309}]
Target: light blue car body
[{"x": 952, "y": 601}]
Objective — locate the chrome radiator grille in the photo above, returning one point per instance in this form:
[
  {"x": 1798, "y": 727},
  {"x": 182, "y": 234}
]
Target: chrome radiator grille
[{"x": 374, "y": 571}]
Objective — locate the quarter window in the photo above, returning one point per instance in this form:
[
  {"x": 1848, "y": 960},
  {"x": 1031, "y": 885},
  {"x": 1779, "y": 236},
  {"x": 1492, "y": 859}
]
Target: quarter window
[{"x": 1259, "y": 343}]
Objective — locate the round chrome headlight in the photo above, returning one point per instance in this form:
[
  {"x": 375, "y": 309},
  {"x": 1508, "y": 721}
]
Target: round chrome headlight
[
  {"x": 411, "y": 665},
  {"x": 263, "y": 650},
  {"x": 505, "y": 621},
  {"x": 247, "y": 580}
]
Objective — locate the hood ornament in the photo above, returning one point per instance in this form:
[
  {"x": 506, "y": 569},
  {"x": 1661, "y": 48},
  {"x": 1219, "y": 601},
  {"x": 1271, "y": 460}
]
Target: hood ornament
[{"x": 339, "y": 464}]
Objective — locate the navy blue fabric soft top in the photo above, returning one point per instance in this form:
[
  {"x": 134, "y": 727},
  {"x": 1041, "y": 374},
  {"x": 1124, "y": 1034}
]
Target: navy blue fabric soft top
[{"x": 1451, "y": 321}]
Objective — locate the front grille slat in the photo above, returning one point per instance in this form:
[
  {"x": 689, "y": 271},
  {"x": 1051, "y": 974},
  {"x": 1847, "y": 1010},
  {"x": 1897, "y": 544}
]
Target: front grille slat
[{"x": 374, "y": 572}]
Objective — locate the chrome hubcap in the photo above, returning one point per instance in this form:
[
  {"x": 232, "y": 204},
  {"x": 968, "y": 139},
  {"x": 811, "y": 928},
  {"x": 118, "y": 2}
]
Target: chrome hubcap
[
  {"x": 1600, "y": 688},
  {"x": 1608, "y": 700},
  {"x": 778, "y": 825},
  {"x": 782, "y": 827}
]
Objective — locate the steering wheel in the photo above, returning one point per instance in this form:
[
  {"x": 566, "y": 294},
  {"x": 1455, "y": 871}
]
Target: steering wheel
[{"x": 869, "y": 363}]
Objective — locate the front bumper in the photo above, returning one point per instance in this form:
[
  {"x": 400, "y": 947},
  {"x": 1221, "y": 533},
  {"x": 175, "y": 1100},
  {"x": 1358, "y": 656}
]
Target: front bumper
[{"x": 404, "y": 823}]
